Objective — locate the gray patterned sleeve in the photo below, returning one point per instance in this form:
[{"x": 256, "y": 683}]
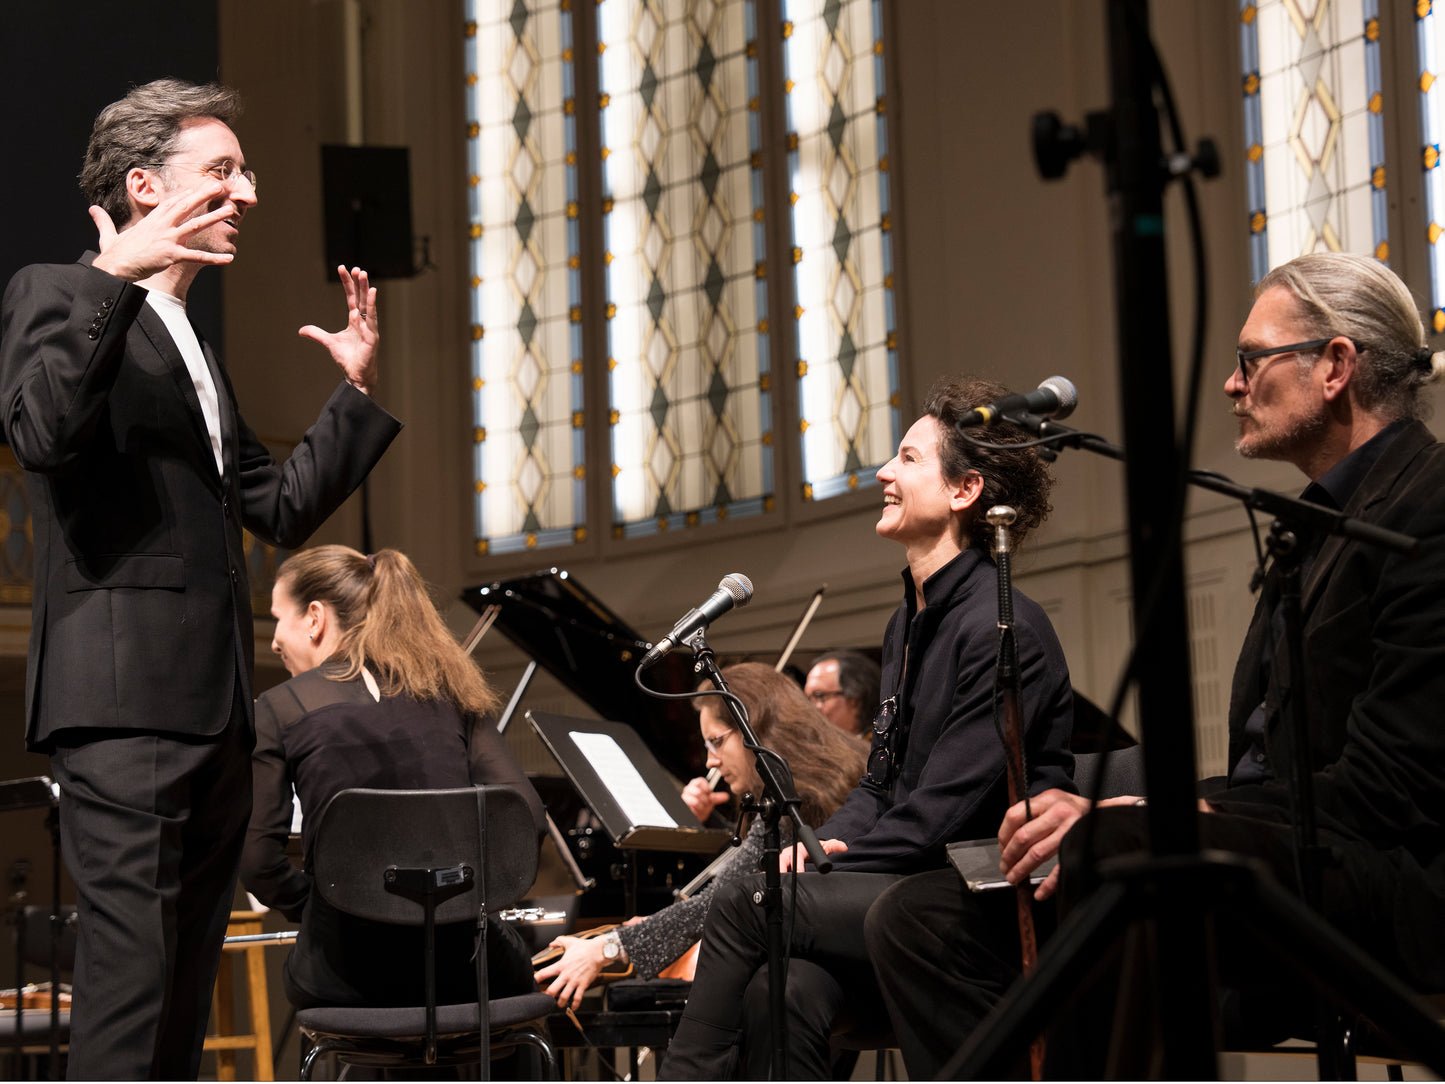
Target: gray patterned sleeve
[{"x": 659, "y": 939}]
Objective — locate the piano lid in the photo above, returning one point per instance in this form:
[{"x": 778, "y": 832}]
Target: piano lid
[{"x": 577, "y": 639}]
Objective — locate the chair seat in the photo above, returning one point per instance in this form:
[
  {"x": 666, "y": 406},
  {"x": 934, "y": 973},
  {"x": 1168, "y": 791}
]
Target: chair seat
[{"x": 409, "y": 1021}]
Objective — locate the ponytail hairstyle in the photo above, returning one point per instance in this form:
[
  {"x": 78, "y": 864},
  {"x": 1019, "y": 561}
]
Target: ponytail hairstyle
[
  {"x": 389, "y": 625},
  {"x": 1345, "y": 293}
]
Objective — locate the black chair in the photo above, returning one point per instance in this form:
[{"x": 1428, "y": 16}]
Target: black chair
[
  {"x": 1123, "y": 771},
  {"x": 419, "y": 858}
]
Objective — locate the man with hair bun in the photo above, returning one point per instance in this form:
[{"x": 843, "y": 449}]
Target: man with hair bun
[
  {"x": 142, "y": 476},
  {"x": 1328, "y": 375},
  {"x": 936, "y": 769}
]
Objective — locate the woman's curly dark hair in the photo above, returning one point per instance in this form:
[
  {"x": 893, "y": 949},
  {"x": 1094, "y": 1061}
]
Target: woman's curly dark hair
[{"x": 1018, "y": 478}]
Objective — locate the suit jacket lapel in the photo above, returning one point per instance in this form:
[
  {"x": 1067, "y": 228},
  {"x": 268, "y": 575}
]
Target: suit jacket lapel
[
  {"x": 225, "y": 405},
  {"x": 154, "y": 329}
]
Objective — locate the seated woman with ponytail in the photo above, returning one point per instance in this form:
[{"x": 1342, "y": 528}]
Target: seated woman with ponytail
[{"x": 381, "y": 695}]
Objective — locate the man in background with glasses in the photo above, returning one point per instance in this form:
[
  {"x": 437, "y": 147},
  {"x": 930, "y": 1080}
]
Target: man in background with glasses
[
  {"x": 843, "y": 685},
  {"x": 141, "y": 476},
  {"x": 936, "y": 768},
  {"x": 1330, "y": 366}
]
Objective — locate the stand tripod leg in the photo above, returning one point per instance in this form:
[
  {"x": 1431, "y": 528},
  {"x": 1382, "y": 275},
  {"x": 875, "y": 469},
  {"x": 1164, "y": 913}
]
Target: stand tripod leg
[
  {"x": 1217, "y": 884},
  {"x": 1344, "y": 973}
]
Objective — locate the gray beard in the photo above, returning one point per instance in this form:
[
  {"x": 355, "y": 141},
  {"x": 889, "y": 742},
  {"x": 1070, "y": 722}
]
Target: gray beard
[{"x": 1284, "y": 443}]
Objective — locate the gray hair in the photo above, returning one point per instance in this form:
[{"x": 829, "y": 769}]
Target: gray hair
[
  {"x": 141, "y": 130},
  {"x": 1343, "y": 293}
]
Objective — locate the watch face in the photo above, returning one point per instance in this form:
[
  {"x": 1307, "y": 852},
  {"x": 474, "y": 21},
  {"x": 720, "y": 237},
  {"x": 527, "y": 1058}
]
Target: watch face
[{"x": 610, "y": 948}]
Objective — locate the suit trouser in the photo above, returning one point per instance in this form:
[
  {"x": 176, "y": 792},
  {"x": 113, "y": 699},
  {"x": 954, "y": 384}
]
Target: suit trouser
[
  {"x": 715, "y": 1037},
  {"x": 151, "y": 828}
]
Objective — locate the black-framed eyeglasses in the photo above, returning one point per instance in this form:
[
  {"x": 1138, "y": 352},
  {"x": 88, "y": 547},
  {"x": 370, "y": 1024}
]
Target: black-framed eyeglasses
[
  {"x": 714, "y": 745},
  {"x": 880, "y": 757},
  {"x": 1246, "y": 356},
  {"x": 822, "y": 697}
]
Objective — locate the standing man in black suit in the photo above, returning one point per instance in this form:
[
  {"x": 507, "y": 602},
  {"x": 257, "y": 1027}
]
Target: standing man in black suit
[
  {"x": 1331, "y": 364},
  {"x": 141, "y": 476}
]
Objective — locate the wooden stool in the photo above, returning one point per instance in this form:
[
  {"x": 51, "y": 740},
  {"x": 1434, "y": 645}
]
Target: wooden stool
[{"x": 226, "y": 1042}]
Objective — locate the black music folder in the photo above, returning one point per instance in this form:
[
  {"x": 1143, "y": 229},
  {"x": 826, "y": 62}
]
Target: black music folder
[{"x": 624, "y": 785}]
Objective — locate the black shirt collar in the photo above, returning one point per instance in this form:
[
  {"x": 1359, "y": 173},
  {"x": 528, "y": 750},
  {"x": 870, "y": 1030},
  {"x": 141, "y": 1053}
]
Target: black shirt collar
[
  {"x": 1337, "y": 485},
  {"x": 943, "y": 583}
]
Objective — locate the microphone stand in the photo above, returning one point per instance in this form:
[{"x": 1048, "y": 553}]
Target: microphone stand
[
  {"x": 1134, "y": 889},
  {"x": 1173, "y": 886},
  {"x": 1302, "y": 515},
  {"x": 779, "y": 799},
  {"x": 1006, "y": 689}
]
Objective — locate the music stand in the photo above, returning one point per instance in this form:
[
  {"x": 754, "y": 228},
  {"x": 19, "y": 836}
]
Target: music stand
[{"x": 626, "y": 788}]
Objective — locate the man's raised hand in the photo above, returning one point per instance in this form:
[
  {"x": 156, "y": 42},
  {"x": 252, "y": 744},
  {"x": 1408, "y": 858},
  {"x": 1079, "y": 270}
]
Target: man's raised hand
[
  {"x": 158, "y": 241},
  {"x": 354, "y": 346}
]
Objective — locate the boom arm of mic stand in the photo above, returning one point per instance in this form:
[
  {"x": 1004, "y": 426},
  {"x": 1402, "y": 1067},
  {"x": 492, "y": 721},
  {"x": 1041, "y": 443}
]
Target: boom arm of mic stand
[{"x": 1303, "y": 515}]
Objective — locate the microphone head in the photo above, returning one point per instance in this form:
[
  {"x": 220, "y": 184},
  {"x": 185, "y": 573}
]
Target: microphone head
[
  {"x": 738, "y": 586},
  {"x": 1067, "y": 393}
]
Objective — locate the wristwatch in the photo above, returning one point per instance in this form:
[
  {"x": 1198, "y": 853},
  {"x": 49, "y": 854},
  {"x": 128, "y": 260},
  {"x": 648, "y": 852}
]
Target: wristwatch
[{"x": 611, "y": 946}]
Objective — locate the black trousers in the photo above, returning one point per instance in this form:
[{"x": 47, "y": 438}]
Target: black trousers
[
  {"x": 945, "y": 956},
  {"x": 724, "y": 1033},
  {"x": 151, "y": 830}
]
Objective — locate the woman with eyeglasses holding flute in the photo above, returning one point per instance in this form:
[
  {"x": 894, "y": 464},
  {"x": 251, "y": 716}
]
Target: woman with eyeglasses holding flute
[
  {"x": 825, "y": 764},
  {"x": 936, "y": 768}
]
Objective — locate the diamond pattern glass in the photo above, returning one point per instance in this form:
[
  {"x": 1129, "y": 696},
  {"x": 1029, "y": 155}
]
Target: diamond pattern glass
[
  {"x": 1314, "y": 129},
  {"x": 847, "y": 367},
  {"x": 1430, "y": 56},
  {"x": 525, "y": 276},
  {"x": 684, "y": 248}
]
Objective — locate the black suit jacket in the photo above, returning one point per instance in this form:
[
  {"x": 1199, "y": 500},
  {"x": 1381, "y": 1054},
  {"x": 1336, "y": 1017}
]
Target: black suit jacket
[
  {"x": 1374, "y": 693},
  {"x": 142, "y": 611}
]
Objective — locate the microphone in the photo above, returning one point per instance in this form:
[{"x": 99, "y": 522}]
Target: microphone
[
  {"x": 1056, "y": 397},
  {"x": 734, "y": 590}
]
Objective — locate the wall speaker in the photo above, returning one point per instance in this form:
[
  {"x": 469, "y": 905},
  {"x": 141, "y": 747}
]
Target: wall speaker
[{"x": 366, "y": 192}]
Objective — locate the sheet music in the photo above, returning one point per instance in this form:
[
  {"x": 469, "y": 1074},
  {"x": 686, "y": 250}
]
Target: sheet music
[{"x": 620, "y": 775}]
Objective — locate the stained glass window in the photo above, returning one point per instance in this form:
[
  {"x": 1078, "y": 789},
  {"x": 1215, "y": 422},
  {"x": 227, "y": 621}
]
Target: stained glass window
[
  {"x": 1430, "y": 53},
  {"x": 842, "y": 245},
  {"x": 525, "y": 276},
  {"x": 1314, "y": 129},
  {"x": 675, "y": 357},
  {"x": 683, "y": 214}
]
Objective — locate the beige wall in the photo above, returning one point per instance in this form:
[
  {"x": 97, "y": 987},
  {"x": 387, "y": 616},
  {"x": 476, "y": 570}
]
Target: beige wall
[{"x": 1001, "y": 273}]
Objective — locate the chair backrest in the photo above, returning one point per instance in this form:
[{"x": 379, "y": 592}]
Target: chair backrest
[
  {"x": 35, "y": 937},
  {"x": 363, "y": 832},
  {"x": 1123, "y": 772}
]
